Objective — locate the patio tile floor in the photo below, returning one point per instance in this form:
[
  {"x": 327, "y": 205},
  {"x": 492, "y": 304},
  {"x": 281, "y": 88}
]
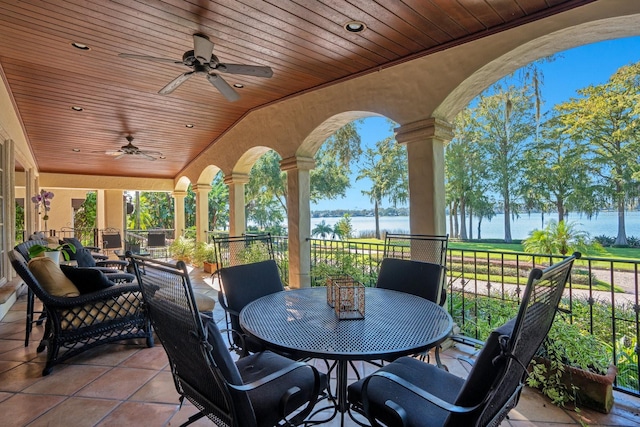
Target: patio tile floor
[{"x": 126, "y": 383}]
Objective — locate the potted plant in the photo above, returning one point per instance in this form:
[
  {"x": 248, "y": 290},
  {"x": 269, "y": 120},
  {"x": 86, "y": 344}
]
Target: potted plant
[
  {"x": 205, "y": 254},
  {"x": 573, "y": 367},
  {"x": 52, "y": 251},
  {"x": 182, "y": 249},
  {"x": 132, "y": 244}
]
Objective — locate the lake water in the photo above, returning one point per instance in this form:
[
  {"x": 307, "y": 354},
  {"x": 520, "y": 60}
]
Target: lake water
[{"x": 606, "y": 223}]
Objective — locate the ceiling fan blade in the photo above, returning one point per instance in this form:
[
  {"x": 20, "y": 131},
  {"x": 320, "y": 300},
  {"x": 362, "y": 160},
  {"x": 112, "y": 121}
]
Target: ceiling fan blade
[
  {"x": 121, "y": 155},
  {"x": 202, "y": 48},
  {"x": 150, "y": 153},
  {"x": 247, "y": 70},
  {"x": 146, "y": 156},
  {"x": 111, "y": 152},
  {"x": 225, "y": 89},
  {"x": 148, "y": 58},
  {"x": 173, "y": 85}
]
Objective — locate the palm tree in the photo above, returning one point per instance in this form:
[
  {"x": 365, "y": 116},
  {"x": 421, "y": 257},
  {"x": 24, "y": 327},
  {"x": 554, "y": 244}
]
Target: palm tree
[
  {"x": 322, "y": 229},
  {"x": 559, "y": 238}
]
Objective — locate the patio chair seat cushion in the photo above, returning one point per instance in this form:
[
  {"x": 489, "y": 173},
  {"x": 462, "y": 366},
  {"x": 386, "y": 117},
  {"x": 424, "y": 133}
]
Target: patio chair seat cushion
[
  {"x": 428, "y": 377},
  {"x": 51, "y": 278},
  {"x": 436, "y": 381},
  {"x": 255, "y": 367},
  {"x": 204, "y": 302},
  {"x": 87, "y": 280}
]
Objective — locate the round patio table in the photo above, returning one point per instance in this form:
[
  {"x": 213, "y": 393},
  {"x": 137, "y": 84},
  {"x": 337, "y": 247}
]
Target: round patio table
[{"x": 301, "y": 322}]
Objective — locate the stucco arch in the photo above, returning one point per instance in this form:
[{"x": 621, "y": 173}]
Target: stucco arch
[
  {"x": 207, "y": 175},
  {"x": 248, "y": 159},
  {"x": 547, "y": 45},
  {"x": 312, "y": 143},
  {"x": 182, "y": 184}
]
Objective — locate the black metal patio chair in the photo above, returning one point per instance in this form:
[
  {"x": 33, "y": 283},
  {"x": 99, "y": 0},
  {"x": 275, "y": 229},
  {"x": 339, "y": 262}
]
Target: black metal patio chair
[
  {"x": 410, "y": 393},
  {"x": 242, "y": 284},
  {"x": 246, "y": 271},
  {"x": 262, "y": 389},
  {"x": 420, "y": 247}
]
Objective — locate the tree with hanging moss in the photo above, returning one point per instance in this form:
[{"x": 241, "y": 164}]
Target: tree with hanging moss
[{"x": 606, "y": 118}]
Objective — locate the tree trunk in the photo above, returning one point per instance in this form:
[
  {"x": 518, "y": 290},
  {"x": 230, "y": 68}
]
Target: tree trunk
[
  {"x": 455, "y": 219},
  {"x": 463, "y": 224},
  {"x": 621, "y": 239},
  {"x": 375, "y": 212},
  {"x": 479, "y": 227},
  {"x": 560, "y": 206},
  {"x": 507, "y": 221},
  {"x": 451, "y": 218},
  {"x": 137, "y": 217},
  {"x": 470, "y": 223}
]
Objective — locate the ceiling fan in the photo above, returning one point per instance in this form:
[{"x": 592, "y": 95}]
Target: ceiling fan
[
  {"x": 203, "y": 62},
  {"x": 131, "y": 150}
]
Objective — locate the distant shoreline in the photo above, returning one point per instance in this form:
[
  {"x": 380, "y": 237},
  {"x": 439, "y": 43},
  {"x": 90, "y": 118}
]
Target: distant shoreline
[{"x": 604, "y": 224}]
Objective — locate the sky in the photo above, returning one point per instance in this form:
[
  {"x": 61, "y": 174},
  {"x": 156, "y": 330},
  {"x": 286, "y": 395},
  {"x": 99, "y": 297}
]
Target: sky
[{"x": 572, "y": 69}]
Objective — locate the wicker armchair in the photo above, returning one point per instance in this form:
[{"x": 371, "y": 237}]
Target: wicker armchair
[
  {"x": 114, "y": 274},
  {"x": 410, "y": 393},
  {"x": 76, "y": 324}
]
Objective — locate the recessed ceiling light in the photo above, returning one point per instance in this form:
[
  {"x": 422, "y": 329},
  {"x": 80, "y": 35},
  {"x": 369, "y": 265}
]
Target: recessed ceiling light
[
  {"x": 190, "y": 125},
  {"x": 238, "y": 85},
  {"x": 355, "y": 26},
  {"x": 77, "y": 108},
  {"x": 80, "y": 46},
  {"x": 162, "y": 157},
  {"x": 75, "y": 150}
]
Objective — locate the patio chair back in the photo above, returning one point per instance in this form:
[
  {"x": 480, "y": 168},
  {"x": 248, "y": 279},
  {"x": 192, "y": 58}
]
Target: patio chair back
[
  {"x": 242, "y": 284},
  {"x": 245, "y": 249},
  {"x": 420, "y": 247},
  {"x": 111, "y": 239},
  {"x": 156, "y": 244},
  {"x": 413, "y": 277},
  {"x": 202, "y": 367}
]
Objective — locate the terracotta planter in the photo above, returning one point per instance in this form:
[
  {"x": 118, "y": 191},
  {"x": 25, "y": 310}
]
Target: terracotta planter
[
  {"x": 594, "y": 391},
  {"x": 210, "y": 267}
]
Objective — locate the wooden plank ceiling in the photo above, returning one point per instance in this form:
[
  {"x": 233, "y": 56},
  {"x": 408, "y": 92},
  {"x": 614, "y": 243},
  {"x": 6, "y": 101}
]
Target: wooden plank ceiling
[{"x": 303, "y": 41}]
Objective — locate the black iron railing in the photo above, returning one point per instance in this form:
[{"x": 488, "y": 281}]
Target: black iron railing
[{"x": 602, "y": 296}]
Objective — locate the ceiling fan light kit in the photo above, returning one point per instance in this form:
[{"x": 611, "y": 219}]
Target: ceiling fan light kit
[
  {"x": 203, "y": 62},
  {"x": 131, "y": 150}
]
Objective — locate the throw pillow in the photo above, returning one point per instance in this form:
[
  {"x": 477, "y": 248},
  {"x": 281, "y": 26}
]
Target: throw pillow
[
  {"x": 84, "y": 258},
  {"x": 87, "y": 280},
  {"x": 51, "y": 277},
  {"x": 76, "y": 244}
]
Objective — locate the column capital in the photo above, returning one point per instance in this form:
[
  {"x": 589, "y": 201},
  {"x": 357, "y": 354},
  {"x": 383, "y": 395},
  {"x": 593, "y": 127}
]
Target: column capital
[
  {"x": 201, "y": 188},
  {"x": 236, "y": 178},
  {"x": 421, "y": 130},
  {"x": 176, "y": 194},
  {"x": 299, "y": 163}
]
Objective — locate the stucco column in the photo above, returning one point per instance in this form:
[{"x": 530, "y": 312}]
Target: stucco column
[
  {"x": 237, "y": 216},
  {"x": 202, "y": 211},
  {"x": 425, "y": 141},
  {"x": 299, "y": 219},
  {"x": 178, "y": 212},
  {"x": 113, "y": 209}
]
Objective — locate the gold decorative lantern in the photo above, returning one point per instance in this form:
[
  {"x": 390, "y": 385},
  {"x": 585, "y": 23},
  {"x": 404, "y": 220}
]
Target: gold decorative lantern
[
  {"x": 346, "y": 295},
  {"x": 332, "y": 284}
]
